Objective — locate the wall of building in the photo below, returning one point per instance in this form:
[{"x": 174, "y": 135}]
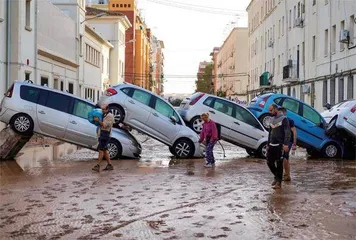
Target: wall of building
[{"x": 275, "y": 38}]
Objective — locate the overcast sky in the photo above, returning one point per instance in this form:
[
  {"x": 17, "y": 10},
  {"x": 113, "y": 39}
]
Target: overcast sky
[{"x": 189, "y": 36}]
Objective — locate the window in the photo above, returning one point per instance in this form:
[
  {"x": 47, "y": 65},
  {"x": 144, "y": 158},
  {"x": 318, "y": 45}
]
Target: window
[
  {"x": 326, "y": 2},
  {"x": 92, "y": 56},
  {"x": 27, "y": 75},
  {"x": 325, "y": 92},
  {"x": 81, "y": 109},
  {"x": 44, "y": 81},
  {"x": 163, "y": 108},
  {"x": 113, "y": 5},
  {"x": 71, "y": 88},
  {"x": 278, "y": 100},
  {"x": 244, "y": 116},
  {"x": 332, "y": 91},
  {"x": 80, "y": 45},
  {"x": 208, "y": 101},
  {"x": 28, "y": 15},
  {"x": 290, "y": 20},
  {"x": 282, "y": 26},
  {"x": 326, "y": 42},
  {"x": 279, "y": 29},
  {"x": 342, "y": 27},
  {"x": 223, "y": 106},
  {"x": 313, "y": 49},
  {"x": 129, "y": 5},
  {"x": 288, "y": 91},
  {"x": 291, "y": 105},
  {"x": 30, "y": 94},
  {"x": 58, "y": 101},
  {"x": 55, "y": 83},
  {"x": 98, "y": 95},
  {"x": 314, "y": 2},
  {"x": 311, "y": 115},
  {"x": 126, "y": 91},
  {"x": 352, "y": 28},
  {"x": 62, "y": 86},
  {"x": 312, "y": 90},
  {"x": 333, "y": 40},
  {"x": 303, "y": 53},
  {"x": 142, "y": 97},
  {"x": 279, "y": 64},
  {"x": 125, "y": 5},
  {"x": 341, "y": 89},
  {"x": 350, "y": 87}
]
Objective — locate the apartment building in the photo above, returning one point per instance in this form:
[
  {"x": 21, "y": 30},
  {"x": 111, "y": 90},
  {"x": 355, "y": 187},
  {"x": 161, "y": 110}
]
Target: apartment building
[
  {"x": 214, "y": 55},
  {"x": 232, "y": 68},
  {"x": 157, "y": 65},
  {"x": 305, "y": 48}
]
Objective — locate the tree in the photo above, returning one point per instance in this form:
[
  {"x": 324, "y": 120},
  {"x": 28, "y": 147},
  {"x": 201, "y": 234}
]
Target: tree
[{"x": 203, "y": 84}]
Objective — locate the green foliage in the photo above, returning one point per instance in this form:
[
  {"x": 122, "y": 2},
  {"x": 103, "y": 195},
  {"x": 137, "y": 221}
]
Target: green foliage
[
  {"x": 204, "y": 83},
  {"x": 221, "y": 93}
]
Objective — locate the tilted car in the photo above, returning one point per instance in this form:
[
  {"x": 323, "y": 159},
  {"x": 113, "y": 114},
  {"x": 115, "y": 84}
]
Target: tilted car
[
  {"x": 237, "y": 124},
  {"x": 154, "y": 116},
  {"x": 32, "y": 108},
  {"x": 309, "y": 123},
  {"x": 341, "y": 117}
]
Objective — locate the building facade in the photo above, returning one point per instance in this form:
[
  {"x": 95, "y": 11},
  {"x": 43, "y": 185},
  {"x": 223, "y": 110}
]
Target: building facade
[
  {"x": 306, "y": 49},
  {"x": 157, "y": 65},
  {"x": 214, "y": 55},
  {"x": 112, "y": 27},
  {"x": 232, "y": 68}
]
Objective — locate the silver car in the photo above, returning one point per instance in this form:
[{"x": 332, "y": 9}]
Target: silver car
[
  {"x": 154, "y": 116},
  {"x": 32, "y": 108},
  {"x": 238, "y": 125}
]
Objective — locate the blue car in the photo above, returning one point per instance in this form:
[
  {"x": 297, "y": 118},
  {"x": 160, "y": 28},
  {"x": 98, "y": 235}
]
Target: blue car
[{"x": 309, "y": 123}]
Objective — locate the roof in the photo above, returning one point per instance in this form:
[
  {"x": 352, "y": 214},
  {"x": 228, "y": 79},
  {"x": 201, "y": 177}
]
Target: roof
[{"x": 94, "y": 11}]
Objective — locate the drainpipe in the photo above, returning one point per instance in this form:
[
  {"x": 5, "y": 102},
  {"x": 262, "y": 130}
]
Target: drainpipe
[
  {"x": 8, "y": 41},
  {"x": 36, "y": 40}
]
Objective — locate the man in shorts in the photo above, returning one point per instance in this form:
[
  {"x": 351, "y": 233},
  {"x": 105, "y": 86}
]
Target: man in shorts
[
  {"x": 292, "y": 145},
  {"x": 104, "y": 138}
]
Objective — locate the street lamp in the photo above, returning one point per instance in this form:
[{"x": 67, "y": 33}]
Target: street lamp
[{"x": 96, "y": 16}]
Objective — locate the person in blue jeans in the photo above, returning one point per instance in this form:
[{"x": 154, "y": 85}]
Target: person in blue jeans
[
  {"x": 292, "y": 146},
  {"x": 209, "y": 137}
]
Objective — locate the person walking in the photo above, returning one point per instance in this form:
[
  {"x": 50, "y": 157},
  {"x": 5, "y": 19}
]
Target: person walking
[
  {"x": 209, "y": 137},
  {"x": 292, "y": 146},
  {"x": 278, "y": 140},
  {"x": 104, "y": 137}
]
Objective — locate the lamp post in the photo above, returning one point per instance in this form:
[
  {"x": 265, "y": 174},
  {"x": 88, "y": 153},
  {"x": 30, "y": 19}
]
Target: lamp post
[{"x": 96, "y": 16}]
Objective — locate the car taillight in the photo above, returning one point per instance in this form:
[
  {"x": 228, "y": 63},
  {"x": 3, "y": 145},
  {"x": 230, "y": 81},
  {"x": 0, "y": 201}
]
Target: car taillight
[
  {"x": 110, "y": 92},
  {"x": 263, "y": 102},
  {"x": 194, "y": 101},
  {"x": 9, "y": 92},
  {"x": 353, "y": 109}
]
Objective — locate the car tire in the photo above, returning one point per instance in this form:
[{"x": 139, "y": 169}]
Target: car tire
[
  {"x": 312, "y": 152},
  {"x": 331, "y": 128},
  {"x": 265, "y": 119},
  {"x": 22, "y": 124},
  {"x": 118, "y": 112},
  {"x": 251, "y": 152},
  {"x": 331, "y": 150},
  {"x": 196, "y": 124},
  {"x": 262, "y": 150},
  {"x": 183, "y": 148},
  {"x": 171, "y": 151},
  {"x": 115, "y": 149}
]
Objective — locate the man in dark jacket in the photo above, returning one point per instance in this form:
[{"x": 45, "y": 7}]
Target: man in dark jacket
[{"x": 278, "y": 140}]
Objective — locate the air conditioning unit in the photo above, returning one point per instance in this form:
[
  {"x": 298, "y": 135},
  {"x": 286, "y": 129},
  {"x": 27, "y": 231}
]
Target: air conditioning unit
[
  {"x": 298, "y": 22},
  {"x": 344, "y": 36},
  {"x": 270, "y": 43},
  {"x": 306, "y": 89}
]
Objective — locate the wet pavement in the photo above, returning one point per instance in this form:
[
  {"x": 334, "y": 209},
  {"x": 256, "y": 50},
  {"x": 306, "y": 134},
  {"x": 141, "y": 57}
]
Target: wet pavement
[{"x": 159, "y": 197}]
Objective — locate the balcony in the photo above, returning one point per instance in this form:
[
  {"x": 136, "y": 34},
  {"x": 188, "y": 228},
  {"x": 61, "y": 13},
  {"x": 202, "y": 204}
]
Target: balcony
[{"x": 290, "y": 73}]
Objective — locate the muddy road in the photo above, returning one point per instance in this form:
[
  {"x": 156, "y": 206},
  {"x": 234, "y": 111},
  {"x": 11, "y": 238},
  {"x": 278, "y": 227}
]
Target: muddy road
[{"x": 159, "y": 197}]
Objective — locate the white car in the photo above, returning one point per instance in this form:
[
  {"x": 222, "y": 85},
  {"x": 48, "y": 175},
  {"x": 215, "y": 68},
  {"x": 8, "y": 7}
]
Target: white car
[
  {"x": 237, "y": 124},
  {"x": 32, "y": 108},
  {"x": 154, "y": 116},
  {"x": 341, "y": 116}
]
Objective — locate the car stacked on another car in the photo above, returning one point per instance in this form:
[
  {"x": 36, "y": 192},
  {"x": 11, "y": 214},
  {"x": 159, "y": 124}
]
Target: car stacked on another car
[
  {"x": 309, "y": 123},
  {"x": 238, "y": 125},
  {"x": 154, "y": 116},
  {"x": 32, "y": 108}
]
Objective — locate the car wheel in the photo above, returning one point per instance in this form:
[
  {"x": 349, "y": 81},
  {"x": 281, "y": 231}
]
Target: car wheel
[
  {"x": 196, "y": 124},
  {"x": 331, "y": 129},
  {"x": 115, "y": 149},
  {"x": 171, "y": 150},
  {"x": 251, "y": 152},
  {"x": 22, "y": 124},
  {"x": 266, "y": 120},
  {"x": 331, "y": 150},
  {"x": 119, "y": 114},
  {"x": 262, "y": 150},
  {"x": 183, "y": 148}
]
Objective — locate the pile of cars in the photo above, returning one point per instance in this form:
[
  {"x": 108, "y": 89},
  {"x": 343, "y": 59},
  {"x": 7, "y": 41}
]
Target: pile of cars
[{"x": 32, "y": 108}]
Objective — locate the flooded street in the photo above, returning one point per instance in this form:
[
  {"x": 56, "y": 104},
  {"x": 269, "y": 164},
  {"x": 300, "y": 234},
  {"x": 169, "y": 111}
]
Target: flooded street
[{"x": 159, "y": 197}]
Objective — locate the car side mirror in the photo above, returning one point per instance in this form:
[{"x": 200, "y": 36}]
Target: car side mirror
[
  {"x": 327, "y": 106},
  {"x": 173, "y": 119}
]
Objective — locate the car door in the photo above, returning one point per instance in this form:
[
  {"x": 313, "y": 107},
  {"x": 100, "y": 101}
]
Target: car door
[
  {"x": 79, "y": 129},
  {"x": 245, "y": 129},
  {"x": 31, "y": 96},
  {"x": 311, "y": 128},
  {"x": 159, "y": 123},
  {"x": 221, "y": 112},
  {"x": 53, "y": 113},
  {"x": 138, "y": 108}
]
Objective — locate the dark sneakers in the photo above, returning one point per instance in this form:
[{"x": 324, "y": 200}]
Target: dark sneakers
[
  {"x": 96, "y": 168},
  {"x": 108, "y": 167}
]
